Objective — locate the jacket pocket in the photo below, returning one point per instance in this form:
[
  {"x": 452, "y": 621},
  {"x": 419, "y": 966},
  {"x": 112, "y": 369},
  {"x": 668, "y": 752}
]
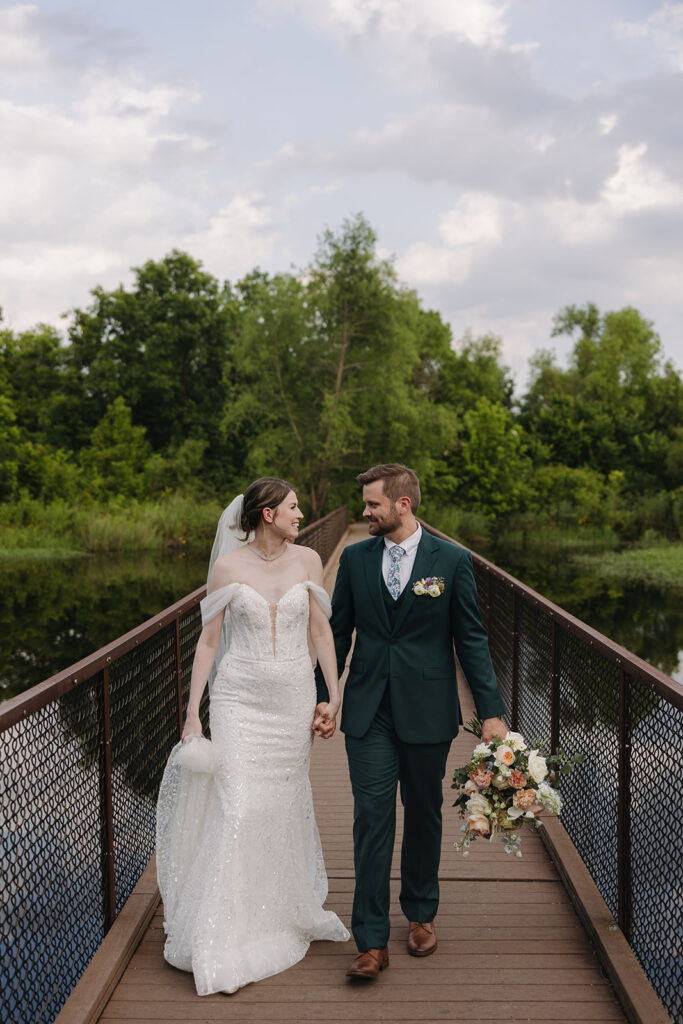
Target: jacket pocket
[{"x": 445, "y": 672}]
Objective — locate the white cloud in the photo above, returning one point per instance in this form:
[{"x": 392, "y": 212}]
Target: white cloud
[
  {"x": 425, "y": 264},
  {"x": 473, "y": 224},
  {"x": 241, "y": 235},
  {"x": 664, "y": 27},
  {"x": 639, "y": 185},
  {"x": 607, "y": 123},
  {"x": 19, "y": 50},
  {"x": 475, "y": 219},
  {"x": 480, "y": 22}
]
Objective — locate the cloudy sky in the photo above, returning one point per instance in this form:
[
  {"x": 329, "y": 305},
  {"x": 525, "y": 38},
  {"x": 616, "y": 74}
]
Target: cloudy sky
[{"x": 512, "y": 156}]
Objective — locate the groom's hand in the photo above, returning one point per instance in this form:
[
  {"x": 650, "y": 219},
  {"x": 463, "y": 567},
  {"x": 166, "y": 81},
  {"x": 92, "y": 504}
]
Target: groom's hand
[
  {"x": 324, "y": 723},
  {"x": 491, "y": 727}
]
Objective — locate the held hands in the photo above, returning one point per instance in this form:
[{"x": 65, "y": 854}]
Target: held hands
[
  {"x": 491, "y": 727},
  {"x": 324, "y": 719},
  {"x": 193, "y": 726}
]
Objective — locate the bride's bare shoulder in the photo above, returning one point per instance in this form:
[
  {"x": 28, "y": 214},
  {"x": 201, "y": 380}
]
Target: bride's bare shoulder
[
  {"x": 226, "y": 568},
  {"x": 311, "y": 560}
]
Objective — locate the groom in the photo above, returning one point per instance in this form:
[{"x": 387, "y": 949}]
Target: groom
[{"x": 401, "y": 702}]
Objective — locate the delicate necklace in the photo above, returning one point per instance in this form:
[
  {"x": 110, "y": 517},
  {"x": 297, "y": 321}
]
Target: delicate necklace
[{"x": 266, "y": 558}]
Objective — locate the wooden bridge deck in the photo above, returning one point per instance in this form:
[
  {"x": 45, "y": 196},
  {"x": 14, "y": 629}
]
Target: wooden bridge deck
[{"x": 511, "y": 947}]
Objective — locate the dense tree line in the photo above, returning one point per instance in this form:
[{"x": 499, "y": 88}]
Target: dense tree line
[{"x": 181, "y": 383}]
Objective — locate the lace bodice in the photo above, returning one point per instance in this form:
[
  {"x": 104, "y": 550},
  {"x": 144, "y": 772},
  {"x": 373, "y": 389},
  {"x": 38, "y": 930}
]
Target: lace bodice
[{"x": 260, "y": 631}]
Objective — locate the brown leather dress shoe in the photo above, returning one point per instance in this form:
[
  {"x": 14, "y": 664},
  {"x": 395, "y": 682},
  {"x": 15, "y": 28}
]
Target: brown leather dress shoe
[
  {"x": 421, "y": 938},
  {"x": 369, "y": 964}
]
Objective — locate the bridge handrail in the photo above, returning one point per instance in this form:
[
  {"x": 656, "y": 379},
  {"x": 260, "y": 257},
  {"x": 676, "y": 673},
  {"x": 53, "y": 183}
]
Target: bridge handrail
[
  {"x": 662, "y": 684},
  {"x": 569, "y": 687}
]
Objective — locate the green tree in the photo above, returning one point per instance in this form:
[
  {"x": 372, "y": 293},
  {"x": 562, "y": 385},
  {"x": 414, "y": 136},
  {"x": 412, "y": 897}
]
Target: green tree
[
  {"x": 473, "y": 371},
  {"x": 114, "y": 462},
  {"x": 491, "y": 463},
  {"x": 164, "y": 347},
  {"x": 334, "y": 369}
]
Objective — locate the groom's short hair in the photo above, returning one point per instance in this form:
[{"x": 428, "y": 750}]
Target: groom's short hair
[{"x": 399, "y": 482}]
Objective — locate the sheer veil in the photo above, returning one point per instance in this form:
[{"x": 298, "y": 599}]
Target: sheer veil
[{"x": 226, "y": 540}]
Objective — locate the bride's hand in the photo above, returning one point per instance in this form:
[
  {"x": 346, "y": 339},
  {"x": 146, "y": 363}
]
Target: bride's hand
[
  {"x": 192, "y": 727},
  {"x": 324, "y": 720}
]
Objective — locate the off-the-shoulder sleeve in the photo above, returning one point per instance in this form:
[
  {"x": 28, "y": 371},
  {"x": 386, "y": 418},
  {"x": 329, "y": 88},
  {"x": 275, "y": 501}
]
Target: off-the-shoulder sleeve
[
  {"x": 215, "y": 602},
  {"x": 321, "y": 596}
]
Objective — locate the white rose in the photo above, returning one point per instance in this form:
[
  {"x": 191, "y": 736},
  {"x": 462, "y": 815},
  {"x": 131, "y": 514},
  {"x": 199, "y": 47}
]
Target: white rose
[
  {"x": 500, "y": 782},
  {"x": 470, "y": 788},
  {"x": 418, "y": 589},
  {"x": 477, "y": 804},
  {"x": 434, "y": 591},
  {"x": 515, "y": 740},
  {"x": 481, "y": 748},
  {"x": 538, "y": 769}
]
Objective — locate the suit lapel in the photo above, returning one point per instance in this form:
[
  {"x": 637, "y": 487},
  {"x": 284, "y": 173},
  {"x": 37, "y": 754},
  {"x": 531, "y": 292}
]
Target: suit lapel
[
  {"x": 425, "y": 559},
  {"x": 373, "y": 572}
]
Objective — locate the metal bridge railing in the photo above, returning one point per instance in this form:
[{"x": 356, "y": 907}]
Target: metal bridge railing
[
  {"x": 82, "y": 756},
  {"x": 571, "y": 688}
]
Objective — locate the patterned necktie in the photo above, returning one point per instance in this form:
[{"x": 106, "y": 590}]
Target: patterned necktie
[{"x": 394, "y": 578}]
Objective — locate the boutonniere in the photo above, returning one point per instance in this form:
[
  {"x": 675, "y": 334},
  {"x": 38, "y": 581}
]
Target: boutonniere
[{"x": 431, "y": 586}]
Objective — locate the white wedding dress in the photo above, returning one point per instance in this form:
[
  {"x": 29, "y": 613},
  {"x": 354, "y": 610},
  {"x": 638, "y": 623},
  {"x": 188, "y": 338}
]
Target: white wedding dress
[{"x": 239, "y": 859}]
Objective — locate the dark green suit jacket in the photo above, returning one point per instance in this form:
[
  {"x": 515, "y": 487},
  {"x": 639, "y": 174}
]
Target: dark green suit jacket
[{"x": 416, "y": 656}]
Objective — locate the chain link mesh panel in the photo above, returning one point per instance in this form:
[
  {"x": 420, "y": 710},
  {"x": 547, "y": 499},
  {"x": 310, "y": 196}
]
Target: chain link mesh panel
[
  {"x": 656, "y": 843},
  {"x": 52, "y": 906},
  {"x": 589, "y": 724},
  {"x": 535, "y": 663},
  {"x": 501, "y": 638},
  {"x": 144, "y": 727}
]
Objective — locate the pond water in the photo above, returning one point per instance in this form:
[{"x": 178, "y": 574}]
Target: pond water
[
  {"x": 53, "y": 613},
  {"x": 645, "y": 619}
]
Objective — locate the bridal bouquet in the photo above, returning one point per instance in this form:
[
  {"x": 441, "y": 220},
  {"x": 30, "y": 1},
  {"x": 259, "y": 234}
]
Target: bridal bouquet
[{"x": 504, "y": 785}]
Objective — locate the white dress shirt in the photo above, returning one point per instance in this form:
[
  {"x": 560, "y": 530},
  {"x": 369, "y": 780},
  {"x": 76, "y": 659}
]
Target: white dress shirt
[{"x": 406, "y": 564}]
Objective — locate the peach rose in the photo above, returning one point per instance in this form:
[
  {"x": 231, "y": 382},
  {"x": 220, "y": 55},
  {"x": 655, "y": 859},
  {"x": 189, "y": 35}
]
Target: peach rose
[
  {"x": 505, "y": 755},
  {"x": 481, "y": 778},
  {"x": 479, "y": 824},
  {"x": 517, "y": 779}
]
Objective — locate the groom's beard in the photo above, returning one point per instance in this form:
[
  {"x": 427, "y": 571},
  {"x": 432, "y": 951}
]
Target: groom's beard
[{"x": 387, "y": 524}]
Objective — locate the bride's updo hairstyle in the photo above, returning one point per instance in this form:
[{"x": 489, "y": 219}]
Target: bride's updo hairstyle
[{"x": 266, "y": 492}]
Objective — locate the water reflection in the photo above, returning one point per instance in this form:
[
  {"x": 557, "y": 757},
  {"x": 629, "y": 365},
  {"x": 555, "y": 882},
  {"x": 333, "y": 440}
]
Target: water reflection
[
  {"x": 54, "y": 613},
  {"x": 646, "y": 619}
]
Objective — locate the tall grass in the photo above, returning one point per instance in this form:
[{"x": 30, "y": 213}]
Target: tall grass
[{"x": 29, "y": 528}]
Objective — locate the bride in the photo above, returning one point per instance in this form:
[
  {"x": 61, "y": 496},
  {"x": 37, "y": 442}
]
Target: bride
[{"x": 239, "y": 860}]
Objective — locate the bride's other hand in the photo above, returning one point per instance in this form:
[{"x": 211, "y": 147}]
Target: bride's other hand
[{"x": 192, "y": 727}]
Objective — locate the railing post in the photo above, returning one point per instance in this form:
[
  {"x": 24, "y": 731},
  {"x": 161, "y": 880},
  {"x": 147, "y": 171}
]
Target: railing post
[
  {"x": 514, "y": 693},
  {"x": 179, "y": 677},
  {"x": 555, "y": 689},
  {"x": 107, "y": 809},
  {"x": 624, "y": 808}
]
